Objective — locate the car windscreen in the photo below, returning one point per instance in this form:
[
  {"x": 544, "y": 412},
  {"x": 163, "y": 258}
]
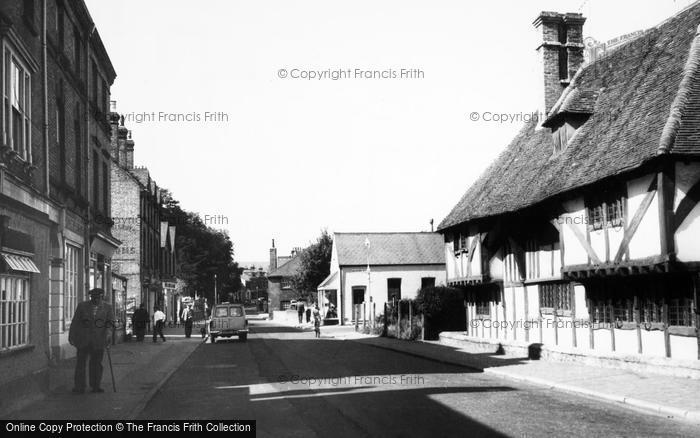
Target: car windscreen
[
  {"x": 221, "y": 311},
  {"x": 236, "y": 311}
]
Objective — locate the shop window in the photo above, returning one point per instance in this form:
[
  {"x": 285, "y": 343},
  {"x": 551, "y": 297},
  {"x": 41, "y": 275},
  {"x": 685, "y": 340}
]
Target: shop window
[
  {"x": 14, "y": 311},
  {"x": 71, "y": 295}
]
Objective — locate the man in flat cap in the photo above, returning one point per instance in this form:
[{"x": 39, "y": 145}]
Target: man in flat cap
[{"x": 91, "y": 332}]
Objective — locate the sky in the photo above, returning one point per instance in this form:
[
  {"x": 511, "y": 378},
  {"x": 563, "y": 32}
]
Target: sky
[{"x": 278, "y": 119}]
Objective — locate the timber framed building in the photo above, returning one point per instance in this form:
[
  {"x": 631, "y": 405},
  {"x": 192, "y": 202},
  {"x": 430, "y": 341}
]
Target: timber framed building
[{"x": 584, "y": 234}]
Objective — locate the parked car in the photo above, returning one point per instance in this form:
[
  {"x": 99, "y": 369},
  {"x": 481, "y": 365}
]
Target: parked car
[{"x": 228, "y": 320}]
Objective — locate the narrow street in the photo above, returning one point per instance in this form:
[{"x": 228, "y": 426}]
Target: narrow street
[{"x": 296, "y": 385}]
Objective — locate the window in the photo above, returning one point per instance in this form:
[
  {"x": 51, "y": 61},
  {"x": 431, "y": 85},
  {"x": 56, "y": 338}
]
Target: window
[
  {"x": 614, "y": 301},
  {"x": 606, "y": 211},
  {"x": 427, "y": 282},
  {"x": 77, "y": 52},
  {"x": 95, "y": 76},
  {"x": 77, "y": 134},
  {"x": 17, "y": 106},
  {"x": 556, "y": 297},
  {"x": 393, "y": 286},
  {"x": 483, "y": 309},
  {"x": 221, "y": 311},
  {"x": 565, "y": 129},
  {"x": 105, "y": 99},
  {"x": 105, "y": 189},
  {"x": 95, "y": 180},
  {"x": 72, "y": 283},
  {"x": 14, "y": 311},
  {"x": 286, "y": 283},
  {"x": 60, "y": 126},
  {"x": 460, "y": 240}
]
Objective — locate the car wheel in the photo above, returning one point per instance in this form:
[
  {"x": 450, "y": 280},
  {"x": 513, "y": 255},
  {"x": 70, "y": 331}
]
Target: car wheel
[
  {"x": 243, "y": 337},
  {"x": 212, "y": 339}
]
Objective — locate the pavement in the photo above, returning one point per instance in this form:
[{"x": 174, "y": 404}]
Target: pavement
[
  {"x": 140, "y": 369},
  {"x": 671, "y": 397}
]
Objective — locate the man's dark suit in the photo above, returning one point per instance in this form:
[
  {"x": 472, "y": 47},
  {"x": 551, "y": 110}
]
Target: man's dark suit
[{"x": 89, "y": 332}]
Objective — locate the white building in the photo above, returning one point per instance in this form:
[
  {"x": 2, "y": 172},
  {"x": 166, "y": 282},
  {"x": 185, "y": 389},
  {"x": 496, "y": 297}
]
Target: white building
[{"x": 370, "y": 269}]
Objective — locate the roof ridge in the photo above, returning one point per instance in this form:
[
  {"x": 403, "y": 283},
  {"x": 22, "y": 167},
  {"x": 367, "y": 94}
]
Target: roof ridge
[{"x": 673, "y": 123}]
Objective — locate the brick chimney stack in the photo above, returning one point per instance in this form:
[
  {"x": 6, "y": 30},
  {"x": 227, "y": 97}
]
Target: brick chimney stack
[
  {"x": 561, "y": 52},
  {"x": 129, "y": 152},
  {"x": 273, "y": 257}
]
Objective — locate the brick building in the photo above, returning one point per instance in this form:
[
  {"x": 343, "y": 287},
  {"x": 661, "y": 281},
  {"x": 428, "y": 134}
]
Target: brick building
[
  {"x": 136, "y": 207},
  {"x": 55, "y": 231},
  {"x": 279, "y": 286}
]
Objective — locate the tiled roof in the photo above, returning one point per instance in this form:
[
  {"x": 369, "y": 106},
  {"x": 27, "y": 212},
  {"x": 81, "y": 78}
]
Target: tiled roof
[
  {"x": 645, "y": 97},
  {"x": 288, "y": 269},
  {"x": 390, "y": 249}
]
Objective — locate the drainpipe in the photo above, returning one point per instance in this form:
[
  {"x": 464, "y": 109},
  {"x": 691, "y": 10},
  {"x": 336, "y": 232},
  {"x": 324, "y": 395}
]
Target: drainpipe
[{"x": 45, "y": 80}]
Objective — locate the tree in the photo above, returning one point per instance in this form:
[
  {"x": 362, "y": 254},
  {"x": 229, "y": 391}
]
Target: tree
[
  {"x": 315, "y": 265},
  {"x": 202, "y": 251}
]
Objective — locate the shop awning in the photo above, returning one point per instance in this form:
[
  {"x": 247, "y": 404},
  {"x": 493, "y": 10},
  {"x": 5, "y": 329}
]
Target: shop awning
[
  {"x": 330, "y": 283},
  {"x": 19, "y": 262}
]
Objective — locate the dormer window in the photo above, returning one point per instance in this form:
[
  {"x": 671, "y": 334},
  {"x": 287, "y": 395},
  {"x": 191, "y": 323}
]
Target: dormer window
[{"x": 563, "y": 131}]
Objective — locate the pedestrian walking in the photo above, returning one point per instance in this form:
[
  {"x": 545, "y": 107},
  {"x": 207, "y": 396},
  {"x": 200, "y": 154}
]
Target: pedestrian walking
[
  {"x": 140, "y": 320},
  {"x": 308, "y": 315},
  {"x": 90, "y": 333},
  {"x": 317, "y": 321},
  {"x": 158, "y": 324},
  {"x": 300, "y": 312},
  {"x": 187, "y": 317}
]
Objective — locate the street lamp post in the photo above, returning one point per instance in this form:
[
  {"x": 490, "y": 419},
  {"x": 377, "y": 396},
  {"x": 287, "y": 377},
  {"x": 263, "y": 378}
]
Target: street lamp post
[
  {"x": 369, "y": 281},
  {"x": 216, "y": 297}
]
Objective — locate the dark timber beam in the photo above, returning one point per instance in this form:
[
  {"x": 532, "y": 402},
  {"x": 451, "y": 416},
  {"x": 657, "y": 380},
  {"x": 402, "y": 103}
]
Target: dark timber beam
[{"x": 666, "y": 182}]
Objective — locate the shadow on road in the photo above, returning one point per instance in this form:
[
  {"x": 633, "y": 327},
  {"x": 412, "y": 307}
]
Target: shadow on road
[{"x": 279, "y": 381}]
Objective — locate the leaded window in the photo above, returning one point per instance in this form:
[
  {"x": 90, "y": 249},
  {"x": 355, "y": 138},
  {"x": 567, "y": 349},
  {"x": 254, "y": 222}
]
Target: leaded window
[{"x": 556, "y": 296}]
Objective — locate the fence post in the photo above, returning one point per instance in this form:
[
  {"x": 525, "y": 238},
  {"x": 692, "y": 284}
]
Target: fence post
[
  {"x": 422, "y": 326},
  {"x": 357, "y": 316},
  {"x": 385, "y": 329},
  {"x": 410, "y": 318},
  {"x": 398, "y": 321},
  {"x": 364, "y": 315},
  {"x": 374, "y": 316}
]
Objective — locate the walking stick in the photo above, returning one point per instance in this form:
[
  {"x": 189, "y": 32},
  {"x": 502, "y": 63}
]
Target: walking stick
[{"x": 111, "y": 371}]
